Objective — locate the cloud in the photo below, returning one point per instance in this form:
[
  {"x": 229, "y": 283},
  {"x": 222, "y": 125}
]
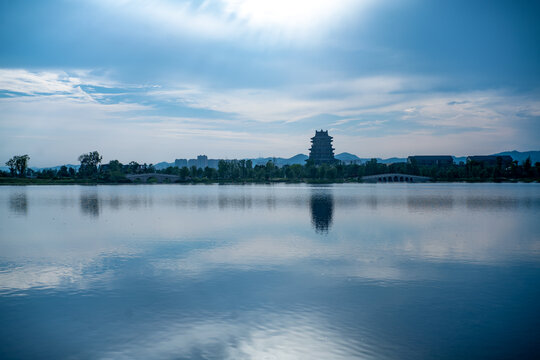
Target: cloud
[
  {"x": 32, "y": 83},
  {"x": 371, "y": 116}
]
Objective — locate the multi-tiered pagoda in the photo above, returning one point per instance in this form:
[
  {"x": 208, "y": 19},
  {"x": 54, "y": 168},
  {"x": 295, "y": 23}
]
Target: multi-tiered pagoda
[{"x": 321, "y": 151}]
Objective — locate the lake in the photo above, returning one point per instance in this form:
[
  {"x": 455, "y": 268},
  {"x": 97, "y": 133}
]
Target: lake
[{"x": 349, "y": 271}]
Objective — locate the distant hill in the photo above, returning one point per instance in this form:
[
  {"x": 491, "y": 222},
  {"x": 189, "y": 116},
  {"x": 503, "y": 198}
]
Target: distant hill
[
  {"x": 522, "y": 156},
  {"x": 296, "y": 159},
  {"x": 348, "y": 157},
  {"x": 392, "y": 160},
  {"x": 57, "y": 167},
  {"x": 457, "y": 160},
  {"x": 163, "y": 165},
  {"x": 345, "y": 156}
]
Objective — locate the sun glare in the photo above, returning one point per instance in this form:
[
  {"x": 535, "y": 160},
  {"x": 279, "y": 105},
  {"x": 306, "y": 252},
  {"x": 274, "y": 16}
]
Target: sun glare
[{"x": 285, "y": 14}]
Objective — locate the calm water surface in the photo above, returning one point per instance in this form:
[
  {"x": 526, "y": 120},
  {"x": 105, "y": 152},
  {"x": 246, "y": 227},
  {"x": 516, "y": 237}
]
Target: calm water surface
[{"x": 396, "y": 271}]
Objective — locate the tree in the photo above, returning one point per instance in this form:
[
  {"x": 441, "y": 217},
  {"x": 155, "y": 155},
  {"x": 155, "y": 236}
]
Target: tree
[
  {"x": 63, "y": 173},
  {"x": 18, "y": 164},
  {"x": 89, "y": 163},
  {"x": 371, "y": 167},
  {"x": 115, "y": 166},
  {"x": 12, "y": 166},
  {"x": 184, "y": 172},
  {"x": 209, "y": 173},
  {"x": 527, "y": 167},
  {"x": 193, "y": 171},
  {"x": 223, "y": 169},
  {"x": 270, "y": 169},
  {"x": 134, "y": 167}
]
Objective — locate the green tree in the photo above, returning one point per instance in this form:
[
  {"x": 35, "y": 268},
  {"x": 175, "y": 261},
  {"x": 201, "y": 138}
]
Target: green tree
[
  {"x": 63, "y": 172},
  {"x": 527, "y": 167},
  {"x": 210, "y": 173},
  {"x": 134, "y": 167},
  {"x": 184, "y": 172},
  {"x": 89, "y": 163},
  {"x": 115, "y": 166},
  {"x": 270, "y": 169},
  {"x": 193, "y": 172},
  {"x": 223, "y": 169},
  {"x": 371, "y": 167},
  {"x": 18, "y": 165},
  {"x": 12, "y": 166}
]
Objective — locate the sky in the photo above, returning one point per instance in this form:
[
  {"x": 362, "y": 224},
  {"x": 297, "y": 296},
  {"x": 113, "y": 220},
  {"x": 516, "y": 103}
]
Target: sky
[{"x": 156, "y": 80}]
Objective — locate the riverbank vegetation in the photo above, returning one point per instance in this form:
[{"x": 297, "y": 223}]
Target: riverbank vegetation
[{"x": 90, "y": 171}]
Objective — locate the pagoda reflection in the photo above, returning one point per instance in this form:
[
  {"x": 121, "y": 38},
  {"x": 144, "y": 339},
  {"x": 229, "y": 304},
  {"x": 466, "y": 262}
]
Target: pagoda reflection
[{"x": 322, "y": 208}]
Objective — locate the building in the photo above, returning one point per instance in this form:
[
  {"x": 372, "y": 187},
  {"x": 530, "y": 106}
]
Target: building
[
  {"x": 213, "y": 163},
  {"x": 431, "y": 160},
  {"x": 180, "y": 163},
  {"x": 321, "y": 151},
  {"x": 192, "y": 162},
  {"x": 202, "y": 161},
  {"x": 491, "y": 160}
]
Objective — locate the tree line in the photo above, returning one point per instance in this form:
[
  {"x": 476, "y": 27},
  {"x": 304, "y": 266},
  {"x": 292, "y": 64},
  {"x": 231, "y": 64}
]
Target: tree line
[{"x": 91, "y": 169}]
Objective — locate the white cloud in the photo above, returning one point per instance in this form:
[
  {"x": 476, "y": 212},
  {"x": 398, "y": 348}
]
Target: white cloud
[{"x": 26, "y": 82}]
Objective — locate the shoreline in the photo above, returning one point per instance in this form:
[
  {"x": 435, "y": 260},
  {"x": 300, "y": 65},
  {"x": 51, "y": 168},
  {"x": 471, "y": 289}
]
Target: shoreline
[{"x": 24, "y": 182}]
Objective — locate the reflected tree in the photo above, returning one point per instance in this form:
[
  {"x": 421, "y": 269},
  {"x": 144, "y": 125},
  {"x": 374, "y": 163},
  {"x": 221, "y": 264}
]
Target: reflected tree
[
  {"x": 18, "y": 203},
  {"x": 89, "y": 203}
]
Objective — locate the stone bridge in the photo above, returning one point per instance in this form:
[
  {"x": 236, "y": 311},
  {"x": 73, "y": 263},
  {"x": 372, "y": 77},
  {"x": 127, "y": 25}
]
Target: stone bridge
[
  {"x": 160, "y": 178},
  {"x": 392, "y": 178}
]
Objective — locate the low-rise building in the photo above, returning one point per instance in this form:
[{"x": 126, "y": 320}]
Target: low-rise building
[
  {"x": 180, "y": 163},
  {"x": 202, "y": 161}
]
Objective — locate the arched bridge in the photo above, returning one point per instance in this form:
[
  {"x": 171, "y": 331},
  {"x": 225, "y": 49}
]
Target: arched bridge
[
  {"x": 159, "y": 177},
  {"x": 392, "y": 178}
]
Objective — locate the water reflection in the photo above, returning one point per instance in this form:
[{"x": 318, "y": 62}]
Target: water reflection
[
  {"x": 240, "y": 272},
  {"x": 18, "y": 203},
  {"x": 430, "y": 203},
  {"x": 322, "y": 208},
  {"x": 89, "y": 202}
]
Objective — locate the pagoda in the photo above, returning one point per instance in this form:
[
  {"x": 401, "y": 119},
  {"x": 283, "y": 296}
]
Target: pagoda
[{"x": 321, "y": 151}]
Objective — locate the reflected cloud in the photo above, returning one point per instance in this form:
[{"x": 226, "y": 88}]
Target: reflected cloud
[
  {"x": 254, "y": 335},
  {"x": 44, "y": 277}
]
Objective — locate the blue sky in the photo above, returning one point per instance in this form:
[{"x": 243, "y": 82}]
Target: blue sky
[{"x": 154, "y": 80}]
